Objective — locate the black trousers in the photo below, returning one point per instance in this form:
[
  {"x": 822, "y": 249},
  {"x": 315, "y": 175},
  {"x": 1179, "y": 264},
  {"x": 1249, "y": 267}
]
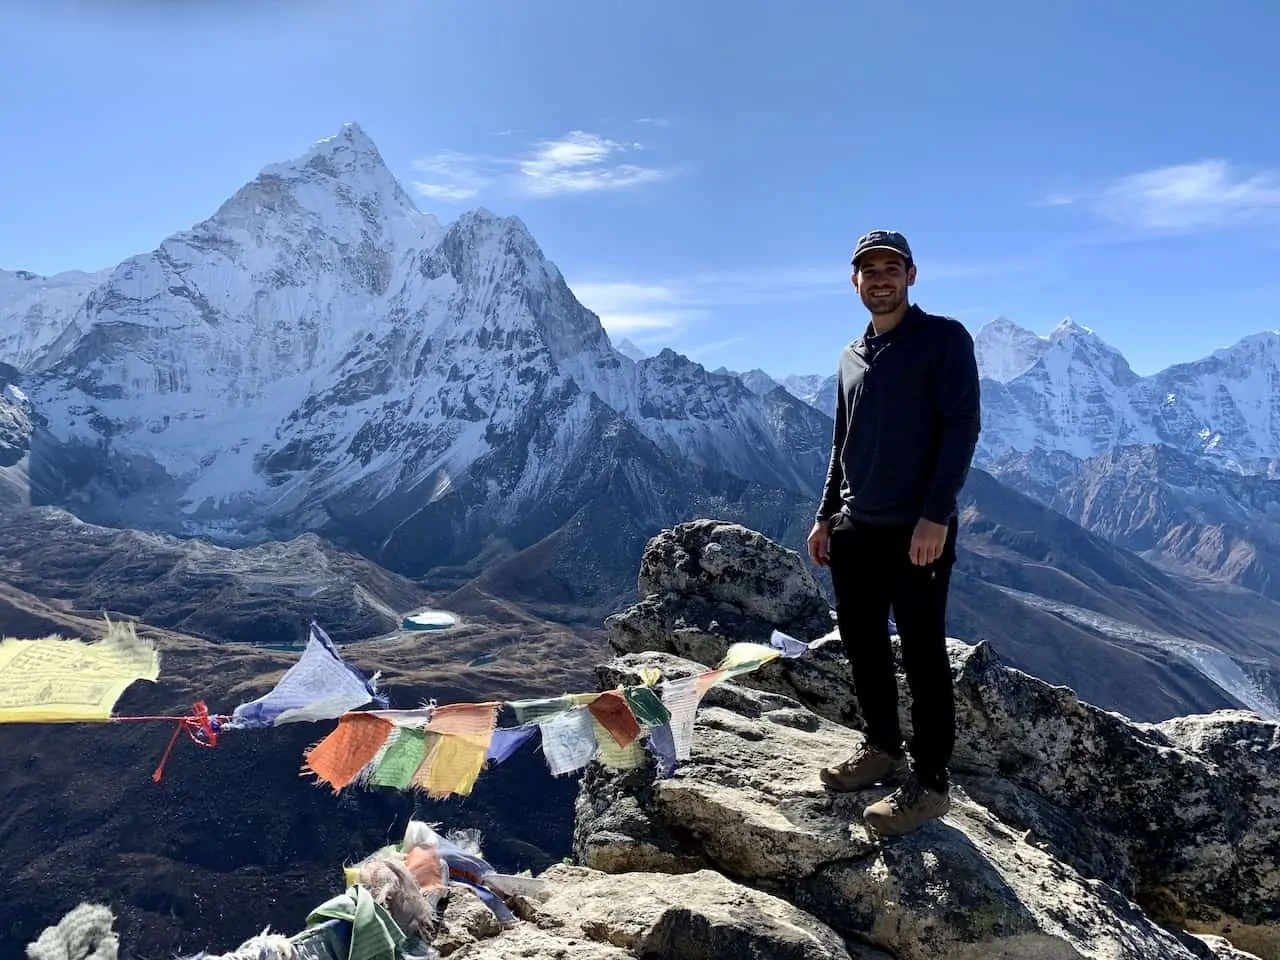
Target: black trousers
[{"x": 871, "y": 571}]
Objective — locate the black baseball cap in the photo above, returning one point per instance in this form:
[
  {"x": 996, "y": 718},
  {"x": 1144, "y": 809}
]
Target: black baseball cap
[{"x": 883, "y": 240}]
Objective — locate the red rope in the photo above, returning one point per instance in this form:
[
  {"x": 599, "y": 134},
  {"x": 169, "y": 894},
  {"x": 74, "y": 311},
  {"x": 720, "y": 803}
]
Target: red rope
[{"x": 200, "y": 727}]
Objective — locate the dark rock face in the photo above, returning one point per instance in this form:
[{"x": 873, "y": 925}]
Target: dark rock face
[
  {"x": 15, "y": 423},
  {"x": 737, "y": 568}
]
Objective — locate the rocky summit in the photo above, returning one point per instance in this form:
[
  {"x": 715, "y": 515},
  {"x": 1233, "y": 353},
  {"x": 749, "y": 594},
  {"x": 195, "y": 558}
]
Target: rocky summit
[{"x": 1074, "y": 831}]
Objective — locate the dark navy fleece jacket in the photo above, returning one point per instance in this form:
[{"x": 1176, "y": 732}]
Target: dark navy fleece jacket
[{"x": 907, "y": 423}]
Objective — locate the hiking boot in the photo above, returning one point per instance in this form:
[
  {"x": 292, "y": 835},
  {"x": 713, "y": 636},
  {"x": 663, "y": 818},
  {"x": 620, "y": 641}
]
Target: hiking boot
[
  {"x": 908, "y": 808},
  {"x": 869, "y": 765}
]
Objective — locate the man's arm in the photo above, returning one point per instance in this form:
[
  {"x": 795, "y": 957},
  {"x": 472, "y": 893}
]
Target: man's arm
[
  {"x": 835, "y": 469},
  {"x": 960, "y": 410}
]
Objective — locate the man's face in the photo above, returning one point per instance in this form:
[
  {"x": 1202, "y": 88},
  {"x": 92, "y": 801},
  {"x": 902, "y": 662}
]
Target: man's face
[{"x": 882, "y": 279}]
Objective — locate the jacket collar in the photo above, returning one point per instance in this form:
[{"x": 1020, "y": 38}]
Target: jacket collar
[{"x": 907, "y": 322}]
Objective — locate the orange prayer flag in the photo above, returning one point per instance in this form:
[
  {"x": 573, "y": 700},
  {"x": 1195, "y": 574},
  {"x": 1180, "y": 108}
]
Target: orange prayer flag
[
  {"x": 343, "y": 753},
  {"x": 472, "y": 721},
  {"x": 616, "y": 716}
]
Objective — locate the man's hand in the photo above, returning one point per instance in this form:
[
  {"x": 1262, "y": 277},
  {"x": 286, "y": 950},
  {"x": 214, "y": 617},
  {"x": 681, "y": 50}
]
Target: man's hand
[
  {"x": 927, "y": 542},
  {"x": 819, "y": 541}
]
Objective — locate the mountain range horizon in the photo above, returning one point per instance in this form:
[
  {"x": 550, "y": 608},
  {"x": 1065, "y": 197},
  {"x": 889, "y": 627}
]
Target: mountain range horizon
[{"x": 75, "y": 278}]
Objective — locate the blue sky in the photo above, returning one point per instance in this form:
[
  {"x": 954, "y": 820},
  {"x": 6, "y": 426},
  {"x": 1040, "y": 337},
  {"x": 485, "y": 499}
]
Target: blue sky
[{"x": 700, "y": 171}]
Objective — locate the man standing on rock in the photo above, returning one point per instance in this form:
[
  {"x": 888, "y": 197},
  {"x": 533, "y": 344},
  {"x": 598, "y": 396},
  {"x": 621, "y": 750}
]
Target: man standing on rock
[{"x": 907, "y": 423}]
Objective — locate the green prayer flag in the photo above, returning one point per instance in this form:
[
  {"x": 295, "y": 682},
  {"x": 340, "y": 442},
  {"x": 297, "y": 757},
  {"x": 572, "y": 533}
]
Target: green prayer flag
[
  {"x": 647, "y": 706},
  {"x": 531, "y": 711},
  {"x": 402, "y": 759}
]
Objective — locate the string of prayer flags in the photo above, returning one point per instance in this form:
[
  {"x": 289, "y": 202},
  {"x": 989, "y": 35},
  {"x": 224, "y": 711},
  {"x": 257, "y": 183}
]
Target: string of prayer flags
[
  {"x": 439, "y": 749},
  {"x": 320, "y": 686},
  {"x": 443, "y": 749},
  {"x": 56, "y": 680}
]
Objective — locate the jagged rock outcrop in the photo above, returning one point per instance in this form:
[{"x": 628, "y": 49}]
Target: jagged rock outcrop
[
  {"x": 1067, "y": 817},
  {"x": 706, "y": 584}
]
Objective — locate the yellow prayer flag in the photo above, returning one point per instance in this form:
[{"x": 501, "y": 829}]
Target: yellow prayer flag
[
  {"x": 744, "y": 657},
  {"x": 56, "y": 680},
  {"x": 453, "y": 766},
  {"x": 612, "y": 755}
]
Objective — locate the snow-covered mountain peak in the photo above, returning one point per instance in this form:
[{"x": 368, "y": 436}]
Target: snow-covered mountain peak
[
  {"x": 1069, "y": 330},
  {"x": 758, "y": 382},
  {"x": 479, "y": 238},
  {"x": 629, "y": 350},
  {"x": 1006, "y": 350},
  {"x": 1265, "y": 344},
  {"x": 338, "y": 176},
  {"x": 1003, "y": 326},
  {"x": 349, "y": 155},
  {"x": 1082, "y": 345},
  {"x": 37, "y": 311}
]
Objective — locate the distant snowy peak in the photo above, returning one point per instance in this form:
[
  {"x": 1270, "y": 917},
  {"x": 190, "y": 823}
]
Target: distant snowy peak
[
  {"x": 1256, "y": 348},
  {"x": 37, "y": 312},
  {"x": 1006, "y": 350},
  {"x": 805, "y": 386},
  {"x": 758, "y": 382},
  {"x": 1073, "y": 393},
  {"x": 630, "y": 350},
  {"x": 1083, "y": 343}
]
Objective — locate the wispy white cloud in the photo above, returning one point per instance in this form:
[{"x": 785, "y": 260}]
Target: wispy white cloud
[
  {"x": 653, "y": 309},
  {"x": 1206, "y": 195},
  {"x": 667, "y": 310},
  {"x": 576, "y": 163},
  {"x": 655, "y": 121},
  {"x": 1056, "y": 200},
  {"x": 454, "y": 176},
  {"x": 700, "y": 350},
  {"x": 581, "y": 162}
]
